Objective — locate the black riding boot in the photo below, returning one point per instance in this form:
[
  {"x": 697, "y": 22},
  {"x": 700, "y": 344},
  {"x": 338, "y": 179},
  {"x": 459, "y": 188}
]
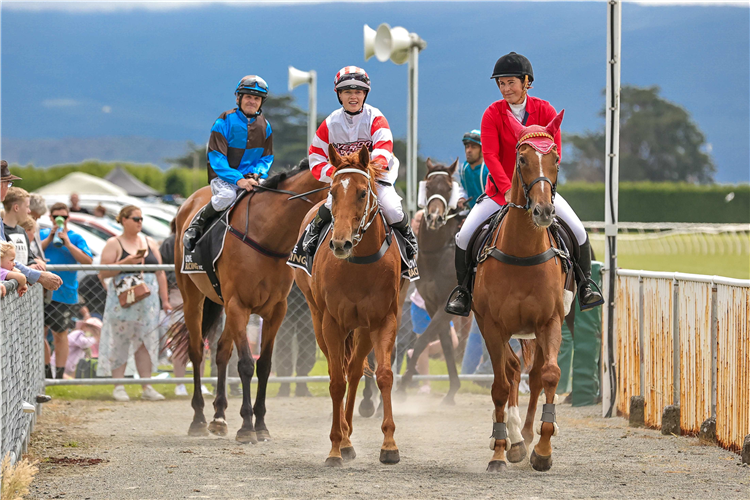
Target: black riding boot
[
  {"x": 459, "y": 302},
  {"x": 404, "y": 227},
  {"x": 588, "y": 296},
  {"x": 47, "y": 371},
  {"x": 316, "y": 225},
  {"x": 195, "y": 231},
  {"x": 59, "y": 372}
]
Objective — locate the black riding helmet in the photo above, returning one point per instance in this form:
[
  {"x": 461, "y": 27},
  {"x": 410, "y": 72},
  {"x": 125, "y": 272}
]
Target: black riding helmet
[{"x": 513, "y": 65}]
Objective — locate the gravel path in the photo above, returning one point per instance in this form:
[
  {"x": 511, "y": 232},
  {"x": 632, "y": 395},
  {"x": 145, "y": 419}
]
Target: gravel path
[{"x": 444, "y": 451}]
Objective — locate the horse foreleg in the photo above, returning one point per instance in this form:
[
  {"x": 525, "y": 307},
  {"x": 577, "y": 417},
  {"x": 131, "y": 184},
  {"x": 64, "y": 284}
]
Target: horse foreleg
[
  {"x": 549, "y": 340},
  {"x": 446, "y": 342},
  {"x": 517, "y": 450},
  {"x": 335, "y": 340},
  {"x": 235, "y": 332},
  {"x": 218, "y": 425},
  {"x": 535, "y": 389},
  {"x": 499, "y": 442},
  {"x": 420, "y": 345},
  {"x": 362, "y": 347},
  {"x": 383, "y": 341},
  {"x": 271, "y": 325}
]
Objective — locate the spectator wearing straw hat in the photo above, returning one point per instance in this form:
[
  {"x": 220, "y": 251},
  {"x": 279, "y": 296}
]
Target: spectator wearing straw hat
[{"x": 46, "y": 279}]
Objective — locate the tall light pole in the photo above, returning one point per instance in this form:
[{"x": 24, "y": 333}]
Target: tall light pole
[
  {"x": 400, "y": 46},
  {"x": 611, "y": 183},
  {"x": 298, "y": 77}
]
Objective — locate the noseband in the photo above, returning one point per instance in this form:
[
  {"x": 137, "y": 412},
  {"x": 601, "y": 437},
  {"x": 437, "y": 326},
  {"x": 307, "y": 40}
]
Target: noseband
[
  {"x": 371, "y": 206},
  {"x": 527, "y": 188},
  {"x": 446, "y": 204}
]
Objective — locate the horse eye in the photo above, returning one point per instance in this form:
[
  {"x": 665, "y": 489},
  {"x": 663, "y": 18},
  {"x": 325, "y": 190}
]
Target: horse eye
[{"x": 362, "y": 195}]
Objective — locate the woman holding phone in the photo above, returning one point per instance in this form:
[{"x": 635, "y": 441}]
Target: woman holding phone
[{"x": 133, "y": 329}]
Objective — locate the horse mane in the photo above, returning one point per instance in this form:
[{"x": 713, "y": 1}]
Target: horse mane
[{"x": 276, "y": 179}]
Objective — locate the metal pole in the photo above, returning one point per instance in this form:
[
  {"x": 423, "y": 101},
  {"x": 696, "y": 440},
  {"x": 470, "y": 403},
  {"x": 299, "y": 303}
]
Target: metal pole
[
  {"x": 714, "y": 340},
  {"x": 410, "y": 205},
  {"x": 609, "y": 376},
  {"x": 312, "y": 108},
  {"x": 413, "y": 158},
  {"x": 676, "y": 343}
]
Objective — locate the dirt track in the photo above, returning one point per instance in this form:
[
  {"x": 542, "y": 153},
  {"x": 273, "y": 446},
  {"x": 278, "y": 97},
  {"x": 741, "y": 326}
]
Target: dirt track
[{"x": 444, "y": 452}]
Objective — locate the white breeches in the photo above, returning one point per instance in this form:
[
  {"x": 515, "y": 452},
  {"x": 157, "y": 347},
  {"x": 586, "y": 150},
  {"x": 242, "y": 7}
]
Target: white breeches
[
  {"x": 223, "y": 193},
  {"x": 390, "y": 203},
  {"x": 484, "y": 209}
]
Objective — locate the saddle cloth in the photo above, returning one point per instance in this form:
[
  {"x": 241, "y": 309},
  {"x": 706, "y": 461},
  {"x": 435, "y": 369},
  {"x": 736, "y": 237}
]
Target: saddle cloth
[
  {"x": 302, "y": 260},
  {"x": 480, "y": 244}
]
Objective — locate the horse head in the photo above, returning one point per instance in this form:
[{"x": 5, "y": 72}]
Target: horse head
[
  {"x": 538, "y": 160},
  {"x": 438, "y": 194},
  {"x": 355, "y": 202}
]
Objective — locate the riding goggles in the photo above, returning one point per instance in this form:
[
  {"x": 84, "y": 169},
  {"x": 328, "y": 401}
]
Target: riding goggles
[{"x": 251, "y": 83}]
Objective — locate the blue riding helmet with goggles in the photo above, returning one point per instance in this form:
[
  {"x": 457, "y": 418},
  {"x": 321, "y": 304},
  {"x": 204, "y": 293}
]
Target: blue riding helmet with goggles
[
  {"x": 253, "y": 85},
  {"x": 473, "y": 136}
]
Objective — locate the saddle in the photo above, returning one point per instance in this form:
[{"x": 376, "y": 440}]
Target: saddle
[
  {"x": 564, "y": 247},
  {"x": 303, "y": 260}
]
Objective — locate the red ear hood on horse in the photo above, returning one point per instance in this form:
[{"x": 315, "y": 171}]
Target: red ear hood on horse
[{"x": 540, "y": 138}]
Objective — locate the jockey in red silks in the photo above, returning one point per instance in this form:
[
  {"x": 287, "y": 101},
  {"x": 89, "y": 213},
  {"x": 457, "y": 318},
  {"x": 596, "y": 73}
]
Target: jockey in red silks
[
  {"x": 354, "y": 125},
  {"x": 513, "y": 74}
]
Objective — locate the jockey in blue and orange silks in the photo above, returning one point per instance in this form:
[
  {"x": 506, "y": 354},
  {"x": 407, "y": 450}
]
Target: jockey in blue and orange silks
[
  {"x": 240, "y": 151},
  {"x": 513, "y": 74}
]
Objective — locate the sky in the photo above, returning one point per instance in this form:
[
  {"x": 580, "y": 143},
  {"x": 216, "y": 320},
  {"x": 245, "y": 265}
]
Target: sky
[{"x": 168, "y": 70}]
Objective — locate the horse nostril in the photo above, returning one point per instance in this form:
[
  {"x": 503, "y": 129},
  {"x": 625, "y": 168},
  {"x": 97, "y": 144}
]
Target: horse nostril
[
  {"x": 330, "y": 244},
  {"x": 536, "y": 211},
  {"x": 348, "y": 245}
]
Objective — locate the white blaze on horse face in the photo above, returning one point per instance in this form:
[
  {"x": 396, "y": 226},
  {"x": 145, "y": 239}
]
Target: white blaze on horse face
[
  {"x": 345, "y": 183},
  {"x": 541, "y": 170}
]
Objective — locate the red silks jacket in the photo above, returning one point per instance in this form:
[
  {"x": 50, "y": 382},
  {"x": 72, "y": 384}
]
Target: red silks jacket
[{"x": 499, "y": 142}]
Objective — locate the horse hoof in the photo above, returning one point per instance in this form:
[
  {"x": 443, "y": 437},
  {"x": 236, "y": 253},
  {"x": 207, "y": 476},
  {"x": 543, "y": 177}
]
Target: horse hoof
[
  {"x": 334, "y": 462},
  {"x": 389, "y": 456},
  {"x": 263, "y": 435},
  {"x": 218, "y": 428},
  {"x": 517, "y": 452},
  {"x": 198, "y": 429},
  {"x": 348, "y": 453},
  {"x": 245, "y": 436},
  {"x": 540, "y": 463},
  {"x": 448, "y": 401},
  {"x": 497, "y": 466},
  {"x": 366, "y": 408}
]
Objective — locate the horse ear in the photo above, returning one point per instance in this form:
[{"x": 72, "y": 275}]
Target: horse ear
[
  {"x": 364, "y": 156},
  {"x": 515, "y": 125},
  {"x": 554, "y": 125},
  {"x": 429, "y": 164},
  {"x": 453, "y": 167},
  {"x": 333, "y": 156}
]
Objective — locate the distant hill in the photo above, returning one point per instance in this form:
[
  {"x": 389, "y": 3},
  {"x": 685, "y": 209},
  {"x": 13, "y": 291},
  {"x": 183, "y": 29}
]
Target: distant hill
[{"x": 48, "y": 152}]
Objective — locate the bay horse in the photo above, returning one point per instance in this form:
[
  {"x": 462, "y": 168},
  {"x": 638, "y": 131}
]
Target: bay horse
[
  {"x": 524, "y": 298},
  {"x": 436, "y": 240},
  {"x": 255, "y": 279},
  {"x": 353, "y": 296}
]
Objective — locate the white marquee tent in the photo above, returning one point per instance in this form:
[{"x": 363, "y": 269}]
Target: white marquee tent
[{"x": 81, "y": 183}]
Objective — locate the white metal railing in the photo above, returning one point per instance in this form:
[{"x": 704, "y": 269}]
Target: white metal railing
[{"x": 683, "y": 339}]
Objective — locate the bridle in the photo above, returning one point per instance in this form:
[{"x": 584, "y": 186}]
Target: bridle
[
  {"x": 527, "y": 188},
  {"x": 437, "y": 196},
  {"x": 372, "y": 207}
]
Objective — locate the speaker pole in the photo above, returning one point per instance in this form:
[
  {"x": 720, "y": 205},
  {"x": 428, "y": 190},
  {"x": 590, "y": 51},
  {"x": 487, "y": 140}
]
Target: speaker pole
[
  {"x": 312, "y": 108},
  {"x": 412, "y": 145}
]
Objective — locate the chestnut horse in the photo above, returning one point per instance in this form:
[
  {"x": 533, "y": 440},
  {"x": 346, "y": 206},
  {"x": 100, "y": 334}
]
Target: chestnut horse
[
  {"x": 524, "y": 299},
  {"x": 354, "y": 302},
  {"x": 436, "y": 238},
  {"x": 254, "y": 279}
]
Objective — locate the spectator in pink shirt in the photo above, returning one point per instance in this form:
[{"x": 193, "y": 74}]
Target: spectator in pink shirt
[{"x": 84, "y": 343}]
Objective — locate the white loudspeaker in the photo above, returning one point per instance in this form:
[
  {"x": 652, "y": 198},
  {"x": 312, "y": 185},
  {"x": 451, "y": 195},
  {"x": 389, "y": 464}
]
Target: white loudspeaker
[
  {"x": 369, "y": 42},
  {"x": 400, "y": 45},
  {"x": 392, "y": 43},
  {"x": 297, "y": 77}
]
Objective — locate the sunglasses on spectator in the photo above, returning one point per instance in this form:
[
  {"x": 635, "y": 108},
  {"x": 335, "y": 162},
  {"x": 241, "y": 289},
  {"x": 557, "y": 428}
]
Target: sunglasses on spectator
[
  {"x": 9, "y": 183},
  {"x": 136, "y": 219},
  {"x": 61, "y": 216}
]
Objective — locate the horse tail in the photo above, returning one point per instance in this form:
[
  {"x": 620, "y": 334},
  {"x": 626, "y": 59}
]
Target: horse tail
[
  {"x": 528, "y": 347},
  {"x": 178, "y": 335}
]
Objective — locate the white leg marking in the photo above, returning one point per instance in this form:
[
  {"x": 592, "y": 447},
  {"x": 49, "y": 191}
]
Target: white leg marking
[{"x": 514, "y": 425}]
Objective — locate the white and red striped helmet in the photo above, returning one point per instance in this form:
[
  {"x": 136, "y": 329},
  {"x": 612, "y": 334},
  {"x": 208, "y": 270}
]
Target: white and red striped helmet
[{"x": 351, "y": 77}]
